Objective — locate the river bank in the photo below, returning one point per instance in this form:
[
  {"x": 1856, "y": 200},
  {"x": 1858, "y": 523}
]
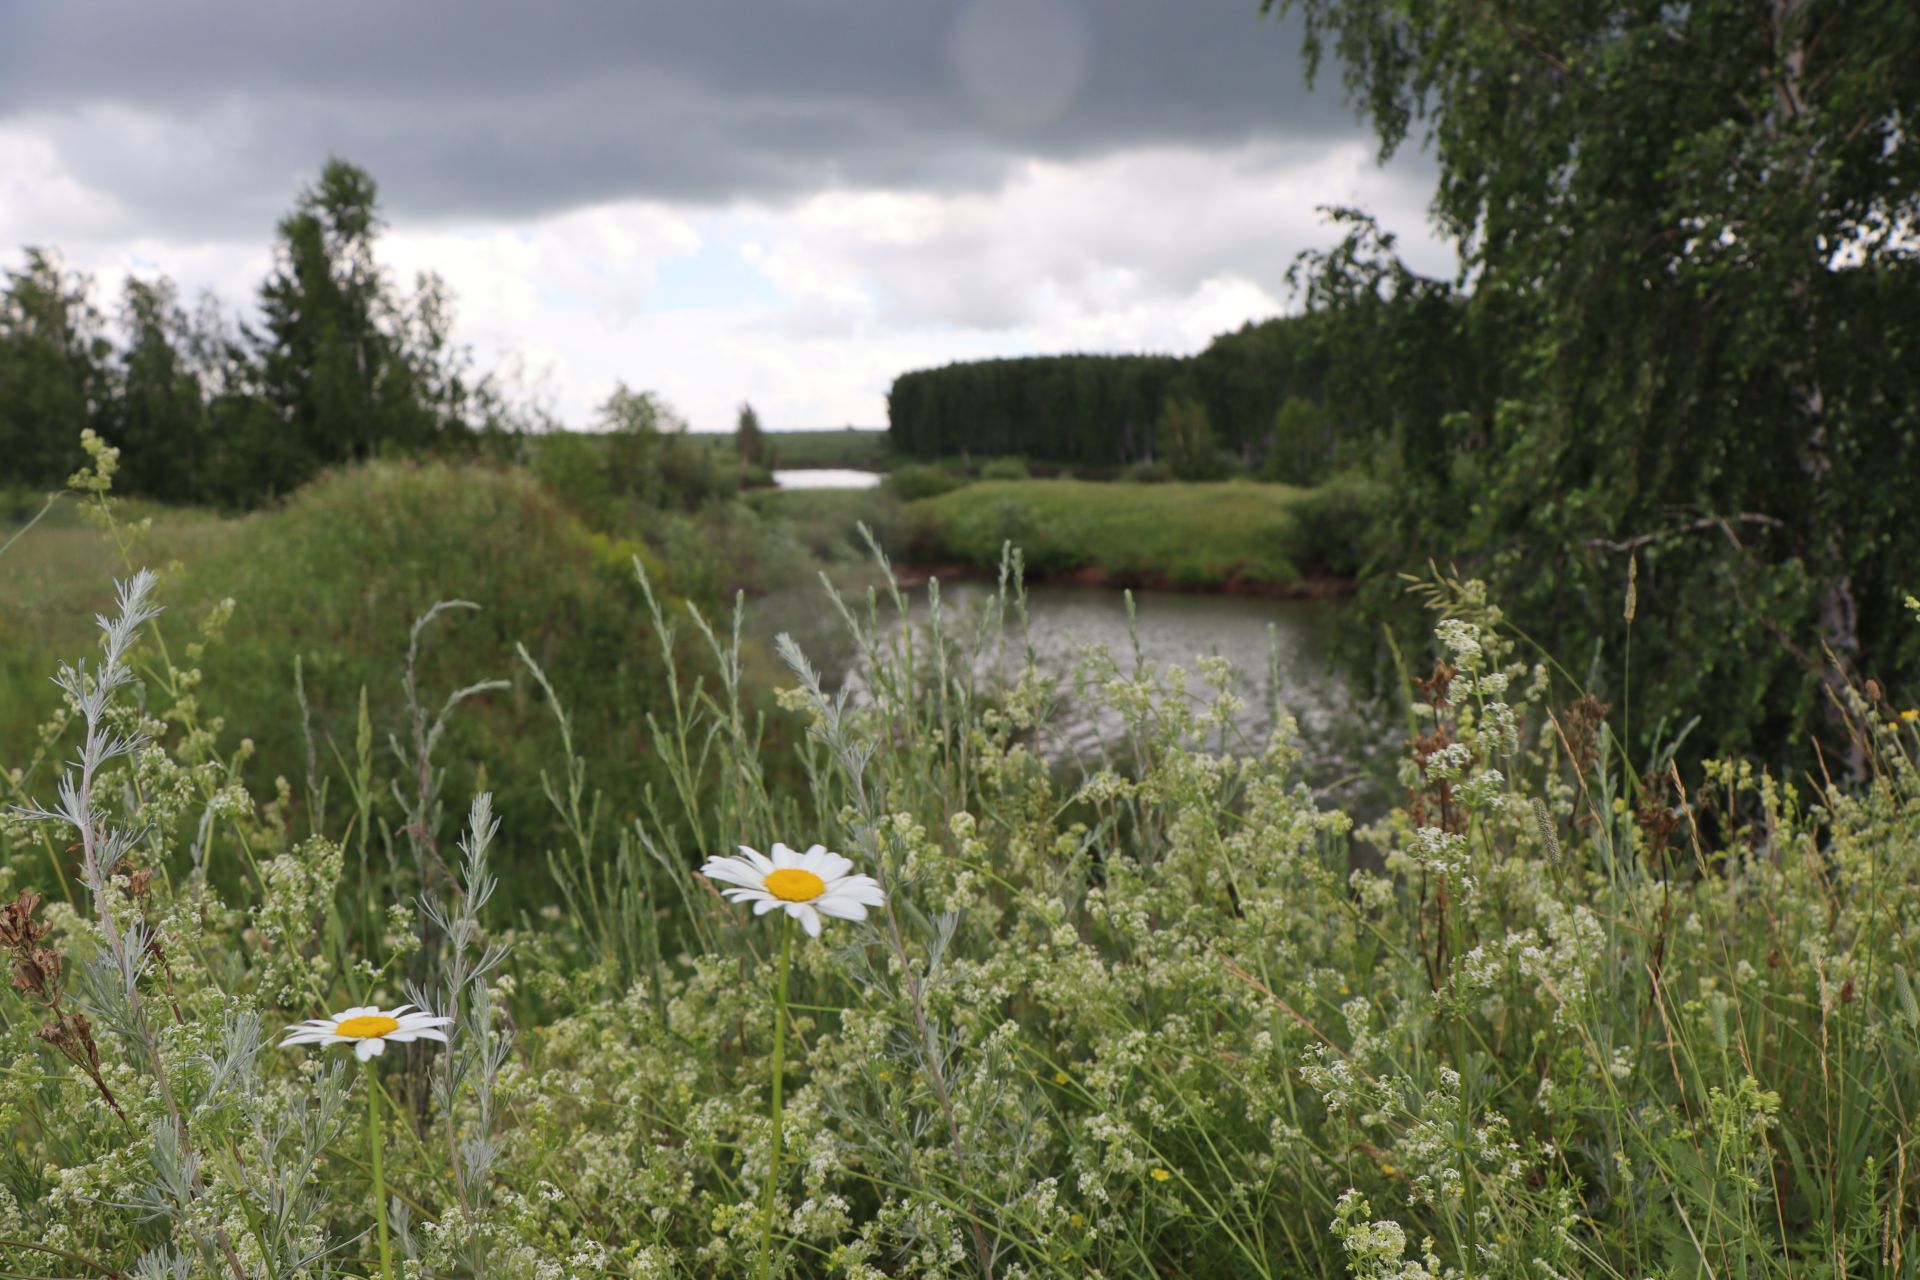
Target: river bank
[
  {"x": 1236, "y": 537},
  {"x": 1093, "y": 576}
]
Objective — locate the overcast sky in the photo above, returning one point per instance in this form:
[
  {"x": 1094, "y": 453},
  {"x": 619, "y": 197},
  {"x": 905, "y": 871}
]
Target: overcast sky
[{"x": 787, "y": 201}]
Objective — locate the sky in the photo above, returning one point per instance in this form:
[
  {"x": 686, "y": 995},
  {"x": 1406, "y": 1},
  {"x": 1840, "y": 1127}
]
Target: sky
[{"x": 787, "y": 202}]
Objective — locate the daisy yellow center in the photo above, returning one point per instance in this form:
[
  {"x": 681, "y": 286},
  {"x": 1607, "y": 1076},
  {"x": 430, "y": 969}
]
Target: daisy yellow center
[
  {"x": 791, "y": 884},
  {"x": 370, "y": 1026}
]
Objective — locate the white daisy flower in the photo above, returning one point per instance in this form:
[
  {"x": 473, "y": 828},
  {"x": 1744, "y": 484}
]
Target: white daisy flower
[
  {"x": 368, "y": 1028},
  {"x": 808, "y": 885}
]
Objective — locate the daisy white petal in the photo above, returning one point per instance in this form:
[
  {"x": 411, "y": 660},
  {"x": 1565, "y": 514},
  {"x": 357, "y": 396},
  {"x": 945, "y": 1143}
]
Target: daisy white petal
[
  {"x": 862, "y": 889},
  {"x": 371, "y": 1047},
  {"x": 841, "y": 908},
  {"x": 809, "y": 918},
  {"x": 732, "y": 871}
]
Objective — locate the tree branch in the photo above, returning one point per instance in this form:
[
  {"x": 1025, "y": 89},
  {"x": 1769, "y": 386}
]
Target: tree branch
[{"x": 1722, "y": 523}]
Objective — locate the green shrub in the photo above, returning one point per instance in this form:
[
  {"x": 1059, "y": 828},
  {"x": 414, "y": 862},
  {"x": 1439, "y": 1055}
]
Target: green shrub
[
  {"x": 826, "y": 521},
  {"x": 1337, "y": 526},
  {"x": 1302, "y": 447},
  {"x": 920, "y": 480},
  {"x": 1004, "y": 469},
  {"x": 1185, "y": 440}
]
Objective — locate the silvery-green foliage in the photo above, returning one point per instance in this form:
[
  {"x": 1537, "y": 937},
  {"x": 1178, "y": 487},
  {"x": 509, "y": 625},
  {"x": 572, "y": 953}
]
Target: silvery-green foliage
[
  {"x": 467, "y": 1074},
  {"x": 163, "y": 1264}
]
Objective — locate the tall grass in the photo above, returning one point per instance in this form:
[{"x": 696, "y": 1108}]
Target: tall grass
[{"x": 1158, "y": 1014}]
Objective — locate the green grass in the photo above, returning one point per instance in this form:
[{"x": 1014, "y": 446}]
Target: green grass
[
  {"x": 859, "y": 449},
  {"x": 336, "y": 577},
  {"x": 1188, "y": 535},
  {"x": 58, "y": 575}
]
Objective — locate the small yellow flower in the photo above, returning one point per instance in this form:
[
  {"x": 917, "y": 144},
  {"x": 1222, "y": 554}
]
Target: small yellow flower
[
  {"x": 1061, "y": 1077},
  {"x": 1160, "y": 1175},
  {"x": 1910, "y": 714},
  {"x": 1077, "y": 1220},
  {"x": 1388, "y": 1170}
]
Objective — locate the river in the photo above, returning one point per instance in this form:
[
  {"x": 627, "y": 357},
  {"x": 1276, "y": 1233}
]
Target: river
[
  {"x": 826, "y": 478},
  {"x": 1282, "y": 652}
]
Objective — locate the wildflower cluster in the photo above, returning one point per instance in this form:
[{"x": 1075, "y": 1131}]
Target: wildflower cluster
[{"x": 1012, "y": 1009}]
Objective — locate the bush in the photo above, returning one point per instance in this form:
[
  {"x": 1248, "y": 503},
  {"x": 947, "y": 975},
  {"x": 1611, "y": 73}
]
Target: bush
[
  {"x": 1184, "y": 438},
  {"x": 919, "y": 480},
  {"x": 1004, "y": 469},
  {"x": 826, "y": 521},
  {"x": 1302, "y": 445},
  {"x": 1337, "y": 526},
  {"x": 1150, "y": 472}
]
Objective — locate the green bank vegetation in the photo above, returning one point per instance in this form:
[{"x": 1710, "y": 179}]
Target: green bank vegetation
[{"x": 1187, "y": 535}]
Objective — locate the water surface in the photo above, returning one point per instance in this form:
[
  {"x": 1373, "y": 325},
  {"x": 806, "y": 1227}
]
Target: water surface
[
  {"x": 1282, "y": 652},
  {"x": 826, "y": 478}
]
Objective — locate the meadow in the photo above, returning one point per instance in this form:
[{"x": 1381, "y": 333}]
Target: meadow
[
  {"x": 1155, "y": 1011},
  {"x": 856, "y": 448},
  {"x": 1232, "y": 533}
]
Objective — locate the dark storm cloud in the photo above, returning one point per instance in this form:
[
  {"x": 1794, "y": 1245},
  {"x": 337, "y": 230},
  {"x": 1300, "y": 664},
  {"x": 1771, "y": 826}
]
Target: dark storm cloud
[{"x": 202, "y": 115}]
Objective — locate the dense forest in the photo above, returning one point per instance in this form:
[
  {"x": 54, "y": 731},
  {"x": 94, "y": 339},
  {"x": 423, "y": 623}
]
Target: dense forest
[{"x": 1295, "y": 396}]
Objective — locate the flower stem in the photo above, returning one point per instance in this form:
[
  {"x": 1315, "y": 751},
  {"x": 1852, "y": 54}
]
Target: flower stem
[
  {"x": 379, "y": 1174},
  {"x": 779, "y": 1071}
]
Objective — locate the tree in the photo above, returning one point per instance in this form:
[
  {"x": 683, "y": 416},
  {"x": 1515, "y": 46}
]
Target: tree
[
  {"x": 1688, "y": 230},
  {"x": 748, "y": 438},
  {"x": 1302, "y": 444},
  {"x": 53, "y": 369},
  {"x": 350, "y": 368},
  {"x": 649, "y": 457},
  {"x": 158, "y": 418},
  {"x": 1184, "y": 438}
]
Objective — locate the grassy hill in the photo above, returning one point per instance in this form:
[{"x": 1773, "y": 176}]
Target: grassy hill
[{"x": 336, "y": 577}]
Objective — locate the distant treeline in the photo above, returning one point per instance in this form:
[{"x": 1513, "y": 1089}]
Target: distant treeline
[
  {"x": 1293, "y": 396},
  {"x": 339, "y": 365}
]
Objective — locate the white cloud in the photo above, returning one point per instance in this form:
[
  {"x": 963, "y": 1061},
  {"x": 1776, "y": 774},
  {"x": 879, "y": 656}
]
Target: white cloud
[{"x": 811, "y": 308}]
